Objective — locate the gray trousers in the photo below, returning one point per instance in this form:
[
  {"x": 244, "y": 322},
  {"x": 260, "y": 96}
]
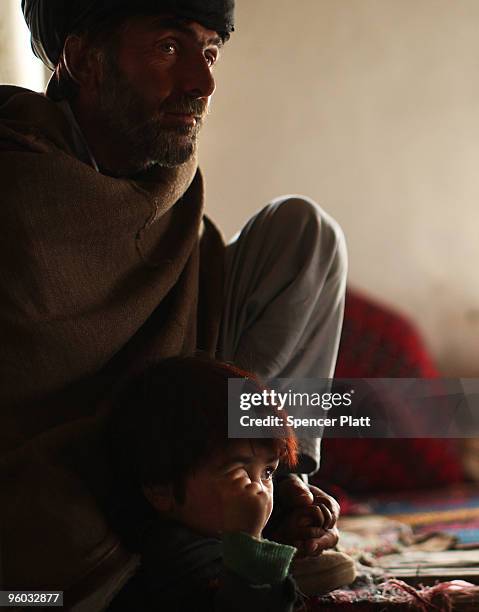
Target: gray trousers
[{"x": 285, "y": 283}]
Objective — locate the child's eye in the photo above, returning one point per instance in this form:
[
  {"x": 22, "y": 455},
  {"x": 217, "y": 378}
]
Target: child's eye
[{"x": 268, "y": 473}]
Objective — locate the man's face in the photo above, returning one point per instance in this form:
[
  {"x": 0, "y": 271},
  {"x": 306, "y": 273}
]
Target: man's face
[
  {"x": 156, "y": 88},
  {"x": 204, "y": 504}
]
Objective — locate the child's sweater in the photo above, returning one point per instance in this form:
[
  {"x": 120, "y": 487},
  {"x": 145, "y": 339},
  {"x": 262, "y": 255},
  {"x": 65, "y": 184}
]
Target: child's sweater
[{"x": 183, "y": 571}]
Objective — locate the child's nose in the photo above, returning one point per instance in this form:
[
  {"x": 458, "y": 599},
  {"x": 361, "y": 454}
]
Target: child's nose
[{"x": 259, "y": 480}]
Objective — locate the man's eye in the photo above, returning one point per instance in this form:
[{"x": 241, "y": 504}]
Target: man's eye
[
  {"x": 268, "y": 473},
  {"x": 210, "y": 59},
  {"x": 168, "y": 47}
]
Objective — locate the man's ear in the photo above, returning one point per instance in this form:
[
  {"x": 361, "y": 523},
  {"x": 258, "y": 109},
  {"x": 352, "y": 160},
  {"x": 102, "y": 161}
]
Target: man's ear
[
  {"x": 81, "y": 62},
  {"x": 160, "y": 497}
]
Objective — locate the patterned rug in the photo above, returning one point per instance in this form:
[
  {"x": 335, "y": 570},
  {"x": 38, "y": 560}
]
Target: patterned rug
[
  {"x": 408, "y": 568},
  {"x": 395, "y": 595},
  {"x": 455, "y": 511}
]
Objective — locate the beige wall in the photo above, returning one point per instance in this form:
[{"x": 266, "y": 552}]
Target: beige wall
[
  {"x": 372, "y": 108},
  {"x": 18, "y": 65}
]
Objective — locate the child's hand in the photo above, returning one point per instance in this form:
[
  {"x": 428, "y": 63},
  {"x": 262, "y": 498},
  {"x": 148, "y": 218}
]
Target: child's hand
[{"x": 247, "y": 505}]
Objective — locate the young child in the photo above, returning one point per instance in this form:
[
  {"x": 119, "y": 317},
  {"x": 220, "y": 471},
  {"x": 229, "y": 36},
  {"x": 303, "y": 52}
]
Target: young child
[{"x": 192, "y": 502}]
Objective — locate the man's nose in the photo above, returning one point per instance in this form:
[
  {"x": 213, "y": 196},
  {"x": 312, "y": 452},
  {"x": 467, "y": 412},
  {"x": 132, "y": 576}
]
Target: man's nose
[{"x": 197, "y": 79}]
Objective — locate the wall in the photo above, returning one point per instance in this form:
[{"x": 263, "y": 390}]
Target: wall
[
  {"x": 372, "y": 108},
  {"x": 17, "y": 63}
]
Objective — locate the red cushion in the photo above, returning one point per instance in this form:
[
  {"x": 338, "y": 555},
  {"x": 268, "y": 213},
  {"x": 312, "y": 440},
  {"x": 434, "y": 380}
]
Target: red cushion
[{"x": 378, "y": 343}]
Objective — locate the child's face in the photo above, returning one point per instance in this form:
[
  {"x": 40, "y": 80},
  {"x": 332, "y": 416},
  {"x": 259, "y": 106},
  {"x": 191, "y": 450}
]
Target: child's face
[{"x": 206, "y": 496}]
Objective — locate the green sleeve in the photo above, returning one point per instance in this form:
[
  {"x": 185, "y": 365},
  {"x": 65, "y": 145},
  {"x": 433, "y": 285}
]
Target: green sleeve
[{"x": 258, "y": 561}]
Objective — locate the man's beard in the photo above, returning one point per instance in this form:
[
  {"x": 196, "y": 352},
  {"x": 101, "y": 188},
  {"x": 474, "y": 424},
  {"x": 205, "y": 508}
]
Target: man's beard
[{"x": 148, "y": 142}]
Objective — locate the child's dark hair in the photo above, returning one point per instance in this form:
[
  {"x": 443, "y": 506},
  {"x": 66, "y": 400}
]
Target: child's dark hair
[{"x": 166, "y": 423}]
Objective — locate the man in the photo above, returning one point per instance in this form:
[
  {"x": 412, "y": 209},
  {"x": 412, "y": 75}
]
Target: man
[{"x": 112, "y": 264}]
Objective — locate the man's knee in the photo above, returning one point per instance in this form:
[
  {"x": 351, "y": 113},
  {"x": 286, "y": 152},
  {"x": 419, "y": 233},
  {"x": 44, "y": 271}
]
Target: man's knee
[
  {"x": 303, "y": 219},
  {"x": 297, "y": 211}
]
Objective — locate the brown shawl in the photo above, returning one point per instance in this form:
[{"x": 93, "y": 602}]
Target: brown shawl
[{"x": 98, "y": 276}]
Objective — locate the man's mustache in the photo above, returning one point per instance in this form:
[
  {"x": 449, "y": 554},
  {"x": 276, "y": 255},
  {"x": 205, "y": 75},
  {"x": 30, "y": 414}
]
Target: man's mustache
[{"x": 187, "y": 106}]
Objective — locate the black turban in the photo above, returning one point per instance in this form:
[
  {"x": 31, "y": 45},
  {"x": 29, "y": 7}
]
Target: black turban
[{"x": 50, "y": 21}]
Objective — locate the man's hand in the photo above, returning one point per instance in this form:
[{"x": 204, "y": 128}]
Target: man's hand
[
  {"x": 292, "y": 492},
  {"x": 309, "y": 517},
  {"x": 246, "y": 504}
]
